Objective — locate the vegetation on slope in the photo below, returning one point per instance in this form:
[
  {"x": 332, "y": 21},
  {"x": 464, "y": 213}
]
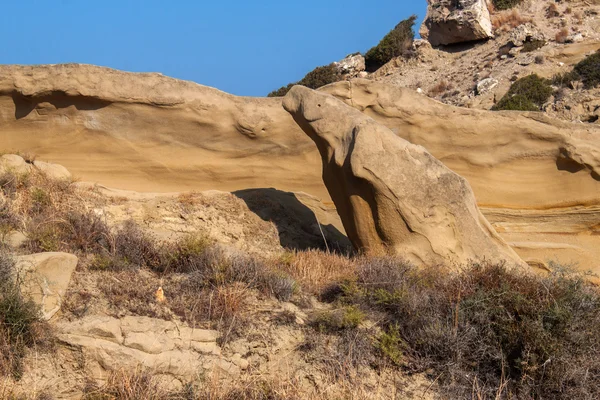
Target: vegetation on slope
[
  {"x": 316, "y": 78},
  {"x": 487, "y": 329},
  {"x": 526, "y": 94},
  {"x": 20, "y": 324},
  {"x": 395, "y": 44}
]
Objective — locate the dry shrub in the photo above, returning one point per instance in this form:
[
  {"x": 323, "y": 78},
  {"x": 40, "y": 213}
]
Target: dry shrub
[
  {"x": 506, "y": 20},
  {"x": 441, "y": 87},
  {"x": 531, "y": 336},
  {"x": 561, "y": 35},
  {"x": 315, "y": 270},
  {"x": 141, "y": 384},
  {"x": 552, "y": 11},
  {"x": 128, "y": 385},
  {"x": 131, "y": 292}
]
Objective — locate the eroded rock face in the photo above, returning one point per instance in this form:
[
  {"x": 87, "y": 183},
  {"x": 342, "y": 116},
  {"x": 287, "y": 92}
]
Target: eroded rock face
[
  {"x": 167, "y": 348},
  {"x": 392, "y": 195},
  {"x": 456, "y": 21}
]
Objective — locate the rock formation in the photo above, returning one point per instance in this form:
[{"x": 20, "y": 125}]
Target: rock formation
[
  {"x": 535, "y": 178},
  {"x": 390, "y": 194},
  {"x": 456, "y": 21},
  {"x": 162, "y": 346}
]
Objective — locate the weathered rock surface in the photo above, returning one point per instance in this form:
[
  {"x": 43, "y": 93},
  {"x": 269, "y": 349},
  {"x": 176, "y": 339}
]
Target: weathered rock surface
[
  {"x": 535, "y": 178},
  {"x": 451, "y": 21},
  {"x": 165, "y": 347},
  {"x": 45, "y": 277},
  {"x": 390, "y": 194}
]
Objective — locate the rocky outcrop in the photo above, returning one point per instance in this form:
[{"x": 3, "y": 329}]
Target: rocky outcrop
[
  {"x": 351, "y": 66},
  {"x": 164, "y": 347},
  {"x": 392, "y": 195},
  {"x": 456, "y": 21},
  {"x": 45, "y": 277}
]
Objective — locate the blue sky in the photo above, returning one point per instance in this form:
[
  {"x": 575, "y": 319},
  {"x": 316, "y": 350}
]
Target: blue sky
[{"x": 242, "y": 47}]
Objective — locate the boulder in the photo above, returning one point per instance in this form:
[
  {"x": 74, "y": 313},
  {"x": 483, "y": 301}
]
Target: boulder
[
  {"x": 14, "y": 163},
  {"x": 45, "y": 277},
  {"x": 53, "y": 171},
  {"x": 486, "y": 85},
  {"x": 521, "y": 34},
  {"x": 393, "y": 196},
  {"x": 456, "y": 21}
]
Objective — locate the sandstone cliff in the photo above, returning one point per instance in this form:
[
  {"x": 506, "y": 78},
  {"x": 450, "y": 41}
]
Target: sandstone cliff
[{"x": 535, "y": 178}]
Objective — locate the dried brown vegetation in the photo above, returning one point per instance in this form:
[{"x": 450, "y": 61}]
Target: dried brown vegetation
[{"x": 504, "y": 21}]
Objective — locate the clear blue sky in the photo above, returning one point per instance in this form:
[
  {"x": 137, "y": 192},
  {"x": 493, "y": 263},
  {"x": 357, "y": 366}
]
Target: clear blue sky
[{"x": 241, "y": 47}]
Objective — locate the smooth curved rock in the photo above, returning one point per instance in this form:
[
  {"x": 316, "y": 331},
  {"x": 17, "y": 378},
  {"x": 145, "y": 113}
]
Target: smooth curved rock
[
  {"x": 456, "y": 21},
  {"x": 392, "y": 195},
  {"x": 14, "y": 163}
]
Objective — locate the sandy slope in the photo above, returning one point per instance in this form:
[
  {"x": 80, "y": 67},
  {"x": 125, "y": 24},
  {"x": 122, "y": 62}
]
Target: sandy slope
[{"x": 537, "y": 179}]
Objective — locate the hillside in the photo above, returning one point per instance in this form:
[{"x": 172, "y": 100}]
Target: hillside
[{"x": 160, "y": 239}]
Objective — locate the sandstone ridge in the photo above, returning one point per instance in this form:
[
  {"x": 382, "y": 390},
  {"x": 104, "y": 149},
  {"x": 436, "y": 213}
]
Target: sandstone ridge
[
  {"x": 392, "y": 195},
  {"x": 534, "y": 178}
]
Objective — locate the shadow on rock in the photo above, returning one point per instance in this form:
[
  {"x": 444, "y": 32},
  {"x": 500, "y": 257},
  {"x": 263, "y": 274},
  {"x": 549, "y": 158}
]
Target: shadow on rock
[{"x": 296, "y": 223}]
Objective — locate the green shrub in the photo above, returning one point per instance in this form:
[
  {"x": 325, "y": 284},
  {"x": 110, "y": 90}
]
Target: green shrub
[
  {"x": 395, "y": 44},
  {"x": 390, "y": 345},
  {"x": 589, "y": 70},
  {"x": 506, "y": 4},
  {"x": 526, "y": 94},
  {"x": 349, "y": 317},
  {"x": 315, "y": 79},
  {"x": 565, "y": 79},
  {"x": 516, "y": 102}
]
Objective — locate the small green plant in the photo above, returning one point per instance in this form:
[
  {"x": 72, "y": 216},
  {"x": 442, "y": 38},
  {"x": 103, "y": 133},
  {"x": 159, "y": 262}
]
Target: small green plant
[
  {"x": 526, "y": 94},
  {"x": 390, "y": 345},
  {"x": 506, "y": 4},
  {"x": 349, "y": 317},
  {"x": 315, "y": 79},
  {"x": 395, "y": 44}
]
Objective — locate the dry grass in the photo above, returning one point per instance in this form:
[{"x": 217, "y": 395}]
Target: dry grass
[
  {"x": 440, "y": 88},
  {"x": 143, "y": 385},
  {"x": 315, "y": 270},
  {"x": 504, "y": 21}
]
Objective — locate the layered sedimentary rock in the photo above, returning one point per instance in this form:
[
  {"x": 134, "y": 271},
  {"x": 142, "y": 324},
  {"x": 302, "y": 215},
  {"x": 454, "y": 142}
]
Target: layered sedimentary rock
[
  {"x": 536, "y": 179},
  {"x": 456, "y": 21},
  {"x": 393, "y": 195}
]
